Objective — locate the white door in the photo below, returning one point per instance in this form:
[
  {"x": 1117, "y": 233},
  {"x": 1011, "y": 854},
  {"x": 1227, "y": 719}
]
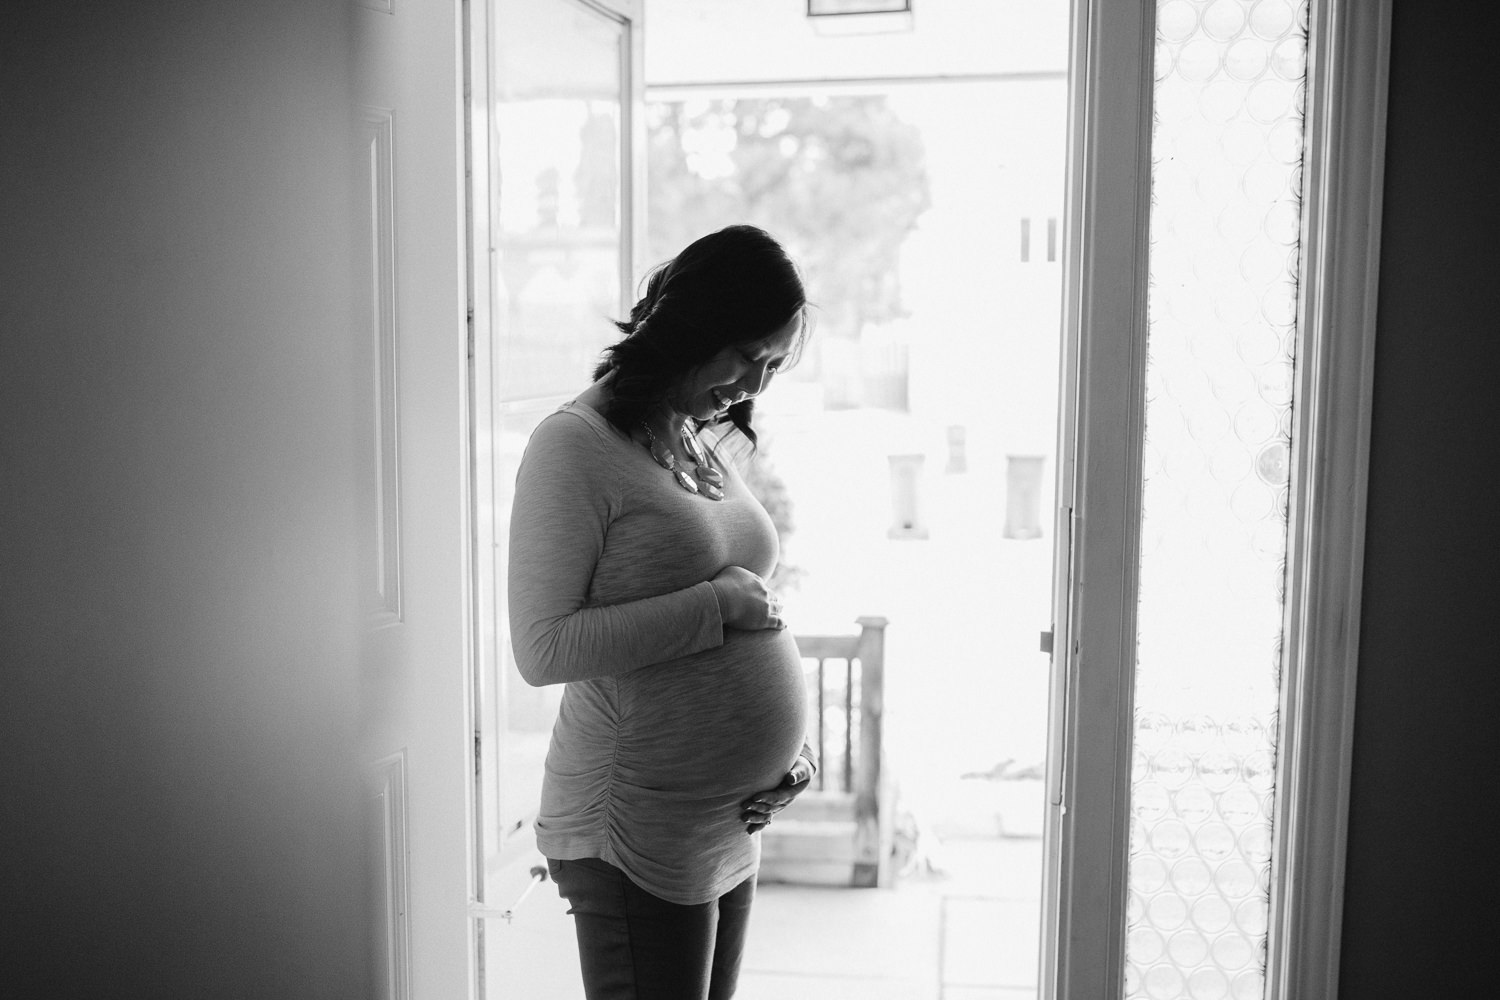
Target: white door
[
  {"x": 558, "y": 181},
  {"x": 415, "y": 688}
]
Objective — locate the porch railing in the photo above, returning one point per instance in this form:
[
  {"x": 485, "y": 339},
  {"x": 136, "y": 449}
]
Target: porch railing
[{"x": 838, "y": 831}]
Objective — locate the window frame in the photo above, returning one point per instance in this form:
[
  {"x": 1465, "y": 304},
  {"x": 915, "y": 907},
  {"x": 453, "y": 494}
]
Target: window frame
[{"x": 1099, "y": 475}]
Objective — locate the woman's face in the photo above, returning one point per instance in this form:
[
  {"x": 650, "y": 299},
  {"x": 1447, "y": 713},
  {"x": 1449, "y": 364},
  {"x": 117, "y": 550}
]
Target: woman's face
[{"x": 735, "y": 373}]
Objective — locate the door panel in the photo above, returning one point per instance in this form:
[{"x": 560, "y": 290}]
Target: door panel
[{"x": 413, "y": 735}]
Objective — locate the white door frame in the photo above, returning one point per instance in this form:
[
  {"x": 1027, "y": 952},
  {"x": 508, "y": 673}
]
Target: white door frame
[{"x": 1099, "y": 470}]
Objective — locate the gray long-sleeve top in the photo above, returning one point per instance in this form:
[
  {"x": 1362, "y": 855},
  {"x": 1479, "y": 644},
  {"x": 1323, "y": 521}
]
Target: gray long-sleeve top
[{"x": 669, "y": 720}]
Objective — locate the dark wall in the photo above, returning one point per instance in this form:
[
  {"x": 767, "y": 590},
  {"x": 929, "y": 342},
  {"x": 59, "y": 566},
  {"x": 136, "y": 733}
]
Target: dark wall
[
  {"x": 179, "y": 816},
  {"x": 1421, "y": 898}
]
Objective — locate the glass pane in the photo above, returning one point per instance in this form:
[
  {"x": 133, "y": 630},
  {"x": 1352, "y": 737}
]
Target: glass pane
[
  {"x": 557, "y": 145},
  {"x": 1225, "y": 224}
]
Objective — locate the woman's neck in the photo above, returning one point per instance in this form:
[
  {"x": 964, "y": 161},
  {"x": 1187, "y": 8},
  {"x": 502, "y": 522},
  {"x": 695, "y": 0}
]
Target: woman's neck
[{"x": 665, "y": 422}]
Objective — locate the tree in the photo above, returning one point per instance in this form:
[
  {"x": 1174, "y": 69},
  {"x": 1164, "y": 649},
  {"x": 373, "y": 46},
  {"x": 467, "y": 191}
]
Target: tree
[
  {"x": 769, "y": 488},
  {"x": 840, "y": 180}
]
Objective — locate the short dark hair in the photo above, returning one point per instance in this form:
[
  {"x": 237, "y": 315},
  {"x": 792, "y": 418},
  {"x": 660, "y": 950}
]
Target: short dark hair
[{"x": 732, "y": 287}]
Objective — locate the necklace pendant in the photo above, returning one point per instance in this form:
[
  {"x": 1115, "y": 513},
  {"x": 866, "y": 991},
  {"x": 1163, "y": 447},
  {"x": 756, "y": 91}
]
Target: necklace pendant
[
  {"x": 685, "y": 481},
  {"x": 664, "y": 458},
  {"x": 711, "y": 491},
  {"x": 708, "y": 475},
  {"x": 695, "y": 450}
]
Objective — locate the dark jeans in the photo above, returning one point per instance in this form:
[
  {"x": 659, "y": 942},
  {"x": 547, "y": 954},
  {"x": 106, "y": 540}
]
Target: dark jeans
[{"x": 636, "y": 946}]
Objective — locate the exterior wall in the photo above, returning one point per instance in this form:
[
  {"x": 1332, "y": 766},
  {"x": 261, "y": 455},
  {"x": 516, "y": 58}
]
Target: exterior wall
[{"x": 776, "y": 40}]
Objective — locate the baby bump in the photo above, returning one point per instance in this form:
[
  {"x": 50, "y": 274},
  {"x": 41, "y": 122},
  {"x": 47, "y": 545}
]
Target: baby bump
[{"x": 727, "y": 721}]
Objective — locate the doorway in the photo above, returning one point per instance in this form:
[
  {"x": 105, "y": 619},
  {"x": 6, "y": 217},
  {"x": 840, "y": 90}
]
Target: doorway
[
  {"x": 908, "y": 458},
  {"x": 585, "y": 59}
]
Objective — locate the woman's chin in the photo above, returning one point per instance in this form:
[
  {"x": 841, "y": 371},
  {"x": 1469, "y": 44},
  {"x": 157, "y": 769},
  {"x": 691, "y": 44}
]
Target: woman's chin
[{"x": 709, "y": 412}]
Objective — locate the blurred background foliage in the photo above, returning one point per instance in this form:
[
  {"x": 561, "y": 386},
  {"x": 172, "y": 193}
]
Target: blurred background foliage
[{"x": 840, "y": 180}]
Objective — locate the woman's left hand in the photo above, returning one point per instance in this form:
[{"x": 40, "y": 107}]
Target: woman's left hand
[{"x": 757, "y": 810}]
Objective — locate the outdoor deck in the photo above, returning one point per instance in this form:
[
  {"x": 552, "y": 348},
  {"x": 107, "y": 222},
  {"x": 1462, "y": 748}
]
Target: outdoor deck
[{"x": 969, "y": 933}]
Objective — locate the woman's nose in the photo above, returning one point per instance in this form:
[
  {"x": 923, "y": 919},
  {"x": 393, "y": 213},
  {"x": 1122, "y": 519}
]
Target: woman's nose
[{"x": 753, "y": 381}]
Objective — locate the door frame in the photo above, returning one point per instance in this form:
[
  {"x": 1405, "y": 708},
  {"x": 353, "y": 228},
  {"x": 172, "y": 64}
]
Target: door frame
[
  {"x": 1099, "y": 463},
  {"x": 1099, "y": 476}
]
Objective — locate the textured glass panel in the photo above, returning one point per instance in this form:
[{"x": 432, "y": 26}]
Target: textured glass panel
[{"x": 1225, "y": 225}]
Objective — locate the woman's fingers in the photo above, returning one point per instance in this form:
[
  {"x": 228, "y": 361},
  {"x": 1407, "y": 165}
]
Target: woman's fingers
[
  {"x": 757, "y": 810},
  {"x": 745, "y": 601},
  {"x": 764, "y": 806},
  {"x": 774, "y": 617}
]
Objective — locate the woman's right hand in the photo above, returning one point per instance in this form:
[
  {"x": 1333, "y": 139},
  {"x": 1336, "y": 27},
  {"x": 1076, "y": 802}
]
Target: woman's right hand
[{"x": 745, "y": 602}]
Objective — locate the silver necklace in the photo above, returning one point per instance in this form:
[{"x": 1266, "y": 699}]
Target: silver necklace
[{"x": 705, "y": 480}]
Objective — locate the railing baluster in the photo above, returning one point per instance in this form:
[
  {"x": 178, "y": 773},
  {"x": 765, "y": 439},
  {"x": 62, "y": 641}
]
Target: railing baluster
[
  {"x": 822, "y": 738},
  {"x": 857, "y": 785},
  {"x": 848, "y": 725},
  {"x": 872, "y": 847}
]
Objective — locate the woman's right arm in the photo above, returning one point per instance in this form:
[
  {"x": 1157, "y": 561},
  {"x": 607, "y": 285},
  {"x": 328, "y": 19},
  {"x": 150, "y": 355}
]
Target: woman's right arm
[{"x": 563, "y": 505}]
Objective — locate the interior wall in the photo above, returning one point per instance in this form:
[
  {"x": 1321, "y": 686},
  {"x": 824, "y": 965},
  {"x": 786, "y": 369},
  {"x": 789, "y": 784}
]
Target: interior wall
[
  {"x": 178, "y": 570},
  {"x": 177, "y": 636},
  {"x": 1419, "y": 910}
]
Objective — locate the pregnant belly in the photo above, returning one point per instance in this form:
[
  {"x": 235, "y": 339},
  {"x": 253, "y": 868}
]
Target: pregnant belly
[{"x": 728, "y": 721}]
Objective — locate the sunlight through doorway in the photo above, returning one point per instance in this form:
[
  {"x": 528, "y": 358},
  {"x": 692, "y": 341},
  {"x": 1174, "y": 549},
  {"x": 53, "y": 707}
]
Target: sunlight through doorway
[
  {"x": 914, "y": 454},
  {"x": 910, "y": 453}
]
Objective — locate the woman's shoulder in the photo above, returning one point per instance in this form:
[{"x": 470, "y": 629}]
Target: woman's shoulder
[
  {"x": 576, "y": 421},
  {"x": 574, "y": 432}
]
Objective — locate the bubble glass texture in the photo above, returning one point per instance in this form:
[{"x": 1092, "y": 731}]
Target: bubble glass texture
[
  {"x": 1225, "y": 226},
  {"x": 1208, "y": 984}
]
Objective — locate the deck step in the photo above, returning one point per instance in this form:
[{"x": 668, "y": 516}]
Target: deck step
[
  {"x": 808, "y": 852},
  {"x": 838, "y": 874},
  {"x": 817, "y": 806},
  {"x": 808, "y": 840}
]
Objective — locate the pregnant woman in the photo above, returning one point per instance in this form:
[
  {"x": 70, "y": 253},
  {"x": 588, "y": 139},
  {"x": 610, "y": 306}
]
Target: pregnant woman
[{"x": 637, "y": 577}]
